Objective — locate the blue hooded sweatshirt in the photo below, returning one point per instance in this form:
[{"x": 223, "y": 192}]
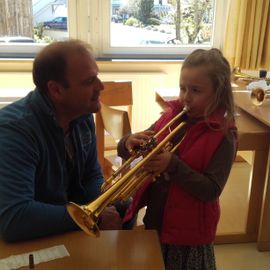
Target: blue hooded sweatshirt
[{"x": 35, "y": 184}]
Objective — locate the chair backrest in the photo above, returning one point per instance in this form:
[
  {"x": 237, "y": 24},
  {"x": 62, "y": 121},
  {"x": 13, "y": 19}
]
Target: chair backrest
[
  {"x": 118, "y": 93},
  {"x": 115, "y": 122}
]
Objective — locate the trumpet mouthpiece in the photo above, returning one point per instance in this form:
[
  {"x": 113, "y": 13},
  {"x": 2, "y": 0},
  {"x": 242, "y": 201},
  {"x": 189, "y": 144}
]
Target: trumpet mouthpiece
[{"x": 185, "y": 109}]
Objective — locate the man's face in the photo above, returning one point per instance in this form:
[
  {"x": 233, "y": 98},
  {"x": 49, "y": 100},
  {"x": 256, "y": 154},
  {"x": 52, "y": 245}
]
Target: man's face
[{"x": 82, "y": 96}]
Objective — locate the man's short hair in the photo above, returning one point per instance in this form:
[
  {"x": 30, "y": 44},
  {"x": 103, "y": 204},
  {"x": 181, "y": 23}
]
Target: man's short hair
[{"x": 51, "y": 62}]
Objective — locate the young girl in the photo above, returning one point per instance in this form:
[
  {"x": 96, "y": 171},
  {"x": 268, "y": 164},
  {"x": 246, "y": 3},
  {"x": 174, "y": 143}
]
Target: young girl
[{"x": 182, "y": 202}]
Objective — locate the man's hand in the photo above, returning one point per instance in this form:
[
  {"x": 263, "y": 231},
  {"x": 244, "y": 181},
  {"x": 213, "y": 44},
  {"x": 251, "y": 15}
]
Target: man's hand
[{"x": 110, "y": 219}]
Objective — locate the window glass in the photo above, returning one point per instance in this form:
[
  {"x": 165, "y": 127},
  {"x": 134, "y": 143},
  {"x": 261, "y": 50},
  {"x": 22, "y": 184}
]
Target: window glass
[
  {"x": 31, "y": 24},
  {"x": 162, "y": 28},
  {"x": 131, "y": 29},
  {"x": 50, "y": 20},
  {"x": 161, "y": 22}
]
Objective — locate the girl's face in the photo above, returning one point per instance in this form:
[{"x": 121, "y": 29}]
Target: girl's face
[{"x": 196, "y": 90}]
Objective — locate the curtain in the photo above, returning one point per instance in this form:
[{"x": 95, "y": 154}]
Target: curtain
[{"x": 247, "y": 36}]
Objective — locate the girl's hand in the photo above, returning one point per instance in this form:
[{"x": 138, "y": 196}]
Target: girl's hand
[
  {"x": 137, "y": 139},
  {"x": 159, "y": 163}
]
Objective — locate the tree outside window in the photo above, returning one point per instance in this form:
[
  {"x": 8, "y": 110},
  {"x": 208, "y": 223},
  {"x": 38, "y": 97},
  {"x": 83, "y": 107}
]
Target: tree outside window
[{"x": 175, "y": 22}]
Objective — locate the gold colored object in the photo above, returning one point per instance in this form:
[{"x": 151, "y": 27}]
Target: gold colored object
[
  {"x": 259, "y": 95},
  {"x": 237, "y": 74},
  {"x": 119, "y": 187}
]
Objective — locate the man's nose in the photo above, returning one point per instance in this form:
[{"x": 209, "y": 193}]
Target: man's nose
[{"x": 100, "y": 85}]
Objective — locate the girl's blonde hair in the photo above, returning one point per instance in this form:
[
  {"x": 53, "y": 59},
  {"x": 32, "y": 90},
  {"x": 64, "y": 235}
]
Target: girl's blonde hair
[{"x": 218, "y": 69}]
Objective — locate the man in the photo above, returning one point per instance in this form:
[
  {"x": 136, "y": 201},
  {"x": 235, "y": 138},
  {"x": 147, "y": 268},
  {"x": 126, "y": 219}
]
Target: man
[{"x": 48, "y": 153}]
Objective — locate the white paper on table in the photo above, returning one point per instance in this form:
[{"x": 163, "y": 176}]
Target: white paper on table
[{"x": 42, "y": 255}]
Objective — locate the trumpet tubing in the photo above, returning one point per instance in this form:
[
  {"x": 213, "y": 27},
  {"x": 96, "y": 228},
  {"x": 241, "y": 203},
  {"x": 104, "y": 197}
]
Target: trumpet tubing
[
  {"x": 140, "y": 151},
  {"x": 86, "y": 216},
  {"x": 237, "y": 74}
]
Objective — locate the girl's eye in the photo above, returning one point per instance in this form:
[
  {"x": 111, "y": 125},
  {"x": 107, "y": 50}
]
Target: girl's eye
[
  {"x": 196, "y": 90},
  {"x": 182, "y": 89}
]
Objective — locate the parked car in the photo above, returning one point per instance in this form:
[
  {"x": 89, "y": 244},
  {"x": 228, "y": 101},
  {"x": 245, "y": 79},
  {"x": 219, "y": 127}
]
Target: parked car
[
  {"x": 152, "y": 42},
  {"x": 18, "y": 39},
  {"x": 56, "y": 23},
  {"x": 116, "y": 18},
  {"x": 174, "y": 41}
]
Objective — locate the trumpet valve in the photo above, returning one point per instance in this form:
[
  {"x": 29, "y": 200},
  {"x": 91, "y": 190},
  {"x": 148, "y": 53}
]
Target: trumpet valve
[{"x": 145, "y": 147}]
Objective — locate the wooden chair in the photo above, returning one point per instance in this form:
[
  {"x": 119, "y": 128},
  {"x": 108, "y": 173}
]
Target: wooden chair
[{"x": 111, "y": 123}]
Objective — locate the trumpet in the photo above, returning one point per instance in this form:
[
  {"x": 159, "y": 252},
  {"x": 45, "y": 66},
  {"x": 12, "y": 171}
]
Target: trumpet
[
  {"x": 237, "y": 74},
  {"x": 259, "y": 95},
  {"x": 119, "y": 187}
]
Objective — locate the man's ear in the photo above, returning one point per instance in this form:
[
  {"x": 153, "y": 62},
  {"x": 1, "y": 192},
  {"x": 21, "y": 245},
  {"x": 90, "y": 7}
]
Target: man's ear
[{"x": 54, "y": 91}]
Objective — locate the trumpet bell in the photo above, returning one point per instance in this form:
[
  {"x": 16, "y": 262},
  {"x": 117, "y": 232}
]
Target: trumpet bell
[
  {"x": 84, "y": 218},
  {"x": 257, "y": 96}
]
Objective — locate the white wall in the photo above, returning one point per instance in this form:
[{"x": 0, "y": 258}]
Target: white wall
[{"x": 145, "y": 77}]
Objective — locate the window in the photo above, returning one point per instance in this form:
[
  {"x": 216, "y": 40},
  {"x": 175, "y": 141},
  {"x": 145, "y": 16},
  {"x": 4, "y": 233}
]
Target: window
[
  {"x": 159, "y": 28},
  {"x": 27, "y": 34},
  {"x": 124, "y": 28}
]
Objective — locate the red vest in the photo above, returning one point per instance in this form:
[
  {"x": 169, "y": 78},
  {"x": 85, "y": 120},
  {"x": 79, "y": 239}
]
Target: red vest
[{"x": 188, "y": 220}]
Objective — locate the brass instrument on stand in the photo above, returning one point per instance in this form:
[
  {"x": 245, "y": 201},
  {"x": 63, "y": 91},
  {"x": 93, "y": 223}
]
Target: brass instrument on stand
[
  {"x": 258, "y": 95},
  {"x": 237, "y": 74},
  {"x": 119, "y": 187}
]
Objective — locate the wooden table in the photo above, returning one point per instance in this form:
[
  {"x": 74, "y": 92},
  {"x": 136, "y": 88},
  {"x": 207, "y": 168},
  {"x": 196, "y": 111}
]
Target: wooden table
[
  {"x": 254, "y": 136},
  {"x": 113, "y": 250},
  {"x": 262, "y": 114}
]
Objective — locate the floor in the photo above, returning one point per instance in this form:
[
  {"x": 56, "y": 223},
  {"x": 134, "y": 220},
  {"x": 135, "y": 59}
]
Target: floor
[
  {"x": 241, "y": 257},
  {"x": 233, "y": 218},
  {"x": 234, "y": 208}
]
